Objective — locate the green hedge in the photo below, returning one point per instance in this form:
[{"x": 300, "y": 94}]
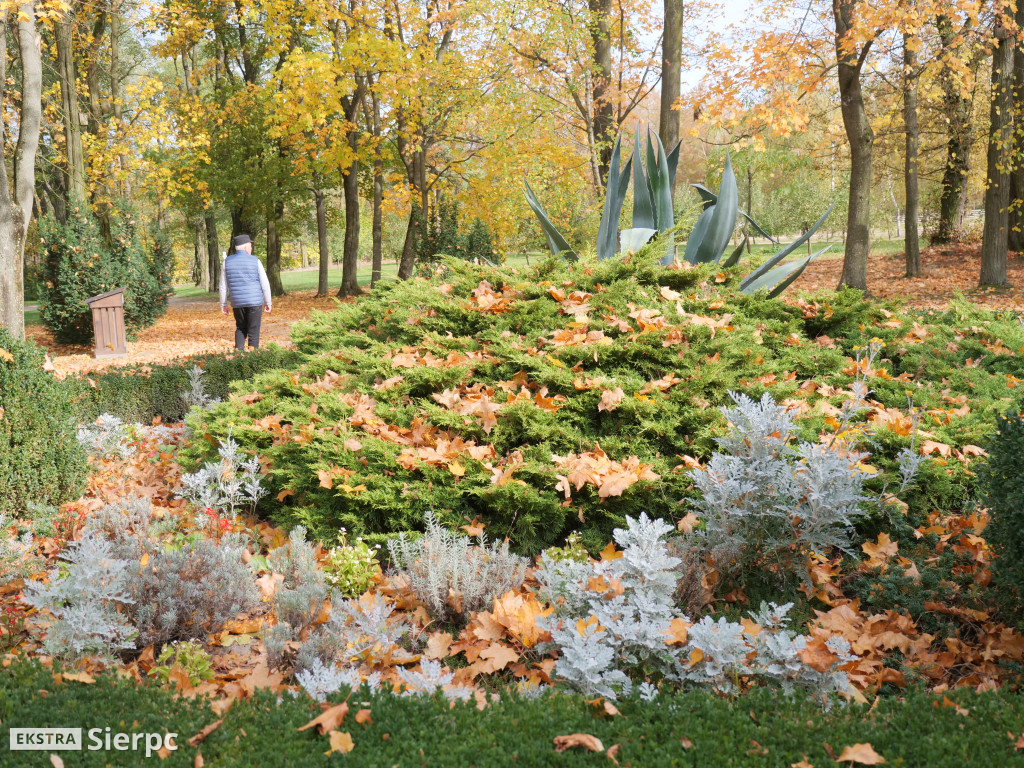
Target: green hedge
[
  {"x": 139, "y": 393},
  {"x": 40, "y": 459},
  {"x": 1002, "y": 483},
  {"x": 760, "y": 729}
]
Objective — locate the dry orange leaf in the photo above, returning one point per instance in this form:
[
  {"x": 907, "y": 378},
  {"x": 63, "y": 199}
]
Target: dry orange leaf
[
  {"x": 340, "y": 742},
  {"x": 584, "y": 740},
  {"x": 862, "y": 754},
  {"x": 80, "y": 677},
  {"x": 329, "y": 719},
  {"x": 364, "y": 716},
  {"x": 437, "y": 645},
  {"x": 199, "y": 737}
]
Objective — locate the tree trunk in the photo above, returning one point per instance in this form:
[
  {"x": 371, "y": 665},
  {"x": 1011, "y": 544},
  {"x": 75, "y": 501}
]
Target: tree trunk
[
  {"x": 995, "y": 238},
  {"x": 274, "y": 251},
  {"x": 321, "y": 239},
  {"x": 16, "y": 209},
  {"x": 212, "y": 250},
  {"x": 350, "y": 257},
  {"x": 953, "y": 200},
  {"x": 671, "y": 69},
  {"x": 75, "y": 170},
  {"x": 200, "y": 263},
  {"x": 912, "y": 245},
  {"x": 1016, "y": 234},
  {"x": 604, "y": 112},
  {"x": 377, "y": 233},
  {"x": 408, "y": 262},
  {"x": 861, "y": 138}
]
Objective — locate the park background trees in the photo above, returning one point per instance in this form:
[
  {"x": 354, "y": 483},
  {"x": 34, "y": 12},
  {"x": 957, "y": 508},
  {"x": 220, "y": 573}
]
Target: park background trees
[{"x": 342, "y": 130}]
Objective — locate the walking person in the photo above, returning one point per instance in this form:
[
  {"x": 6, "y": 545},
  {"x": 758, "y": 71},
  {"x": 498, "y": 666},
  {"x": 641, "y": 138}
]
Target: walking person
[{"x": 243, "y": 278}]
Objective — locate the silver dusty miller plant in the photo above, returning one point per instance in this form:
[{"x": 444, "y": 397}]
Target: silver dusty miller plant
[
  {"x": 18, "y": 556},
  {"x": 761, "y": 495},
  {"x": 614, "y": 636},
  {"x": 195, "y": 396},
  {"x": 80, "y": 607},
  {"x": 108, "y": 437},
  {"x": 229, "y": 484},
  {"x": 452, "y": 576}
]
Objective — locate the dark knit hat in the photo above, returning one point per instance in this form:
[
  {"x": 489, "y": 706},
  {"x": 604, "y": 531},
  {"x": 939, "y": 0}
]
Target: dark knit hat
[{"x": 241, "y": 240}]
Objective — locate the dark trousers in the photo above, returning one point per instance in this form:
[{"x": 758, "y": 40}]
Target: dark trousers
[{"x": 247, "y": 324}]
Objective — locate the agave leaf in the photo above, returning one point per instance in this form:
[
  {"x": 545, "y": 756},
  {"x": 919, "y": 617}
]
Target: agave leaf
[
  {"x": 722, "y": 224},
  {"x": 660, "y": 184},
  {"x": 697, "y": 236},
  {"x": 557, "y": 243},
  {"x": 615, "y": 194},
  {"x": 734, "y": 259},
  {"x": 673, "y": 161},
  {"x": 711, "y": 198},
  {"x": 634, "y": 239},
  {"x": 787, "y": 273},
  {"x": 643, "y": 199},
  {"x": 789, "y": 280},
  {"x": 787, "y": 250}
]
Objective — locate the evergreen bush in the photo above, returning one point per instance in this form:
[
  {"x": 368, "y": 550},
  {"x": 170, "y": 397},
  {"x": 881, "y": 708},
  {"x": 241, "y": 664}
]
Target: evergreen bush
[
  {"x": 78, "y": 264},
  {"x": 41, "y": 460},
  {"x": 1002, "y": 483}
]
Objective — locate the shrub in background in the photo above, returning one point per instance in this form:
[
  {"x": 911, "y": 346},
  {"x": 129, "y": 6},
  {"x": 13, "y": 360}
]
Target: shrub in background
[
  {"x": 1002, "y": 484},
  {"x": 41, "y": 461},
  {"x": 79, "y": 264}
]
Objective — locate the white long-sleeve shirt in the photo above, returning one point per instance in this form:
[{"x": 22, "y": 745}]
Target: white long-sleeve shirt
[{"x": 264, "y": 284}]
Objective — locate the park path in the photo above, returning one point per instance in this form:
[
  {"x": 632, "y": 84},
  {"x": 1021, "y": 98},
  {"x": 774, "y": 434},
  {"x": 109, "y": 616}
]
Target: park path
[{"x": 192, "y": 325}]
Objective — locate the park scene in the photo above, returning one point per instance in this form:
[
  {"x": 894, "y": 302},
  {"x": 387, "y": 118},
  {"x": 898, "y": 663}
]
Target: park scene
[{"x": 485, "y": 383}]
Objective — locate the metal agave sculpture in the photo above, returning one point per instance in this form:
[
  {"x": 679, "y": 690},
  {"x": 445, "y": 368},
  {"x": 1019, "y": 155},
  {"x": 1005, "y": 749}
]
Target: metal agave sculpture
[{"x": 653, "y": 216}]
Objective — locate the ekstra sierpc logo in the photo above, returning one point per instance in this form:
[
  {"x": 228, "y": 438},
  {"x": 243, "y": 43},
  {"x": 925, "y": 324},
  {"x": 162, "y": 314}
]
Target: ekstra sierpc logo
[{"x": 54, "y": 739}]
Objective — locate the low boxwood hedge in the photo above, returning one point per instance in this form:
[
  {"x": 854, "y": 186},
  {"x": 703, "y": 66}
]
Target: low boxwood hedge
[{"x": 140, "y": 393}]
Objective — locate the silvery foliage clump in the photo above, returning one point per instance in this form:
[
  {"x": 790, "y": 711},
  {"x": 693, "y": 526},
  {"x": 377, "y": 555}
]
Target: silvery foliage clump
[
  {"x": 195, "y": 396},
  {"x": 362, "y": 630},
  {"x": 107, "y": 438},
  {"x": 629, "y": 631},
  {"x": 228, "y": 484},
  {"x": 761, "y": 494},
  {"x": 726, "y": 655},
  {"x": 321, "y": 680},
  {"x": 81, "y": 606},
  {"x": 298, "y": 600},
  {"x": 179, "y": 594},
  {"x": 443, "y": 562},
  {"x": 17, "y": 554},
  {"x": 608, "y": 641},
  {"x": 430, "y": 678}
]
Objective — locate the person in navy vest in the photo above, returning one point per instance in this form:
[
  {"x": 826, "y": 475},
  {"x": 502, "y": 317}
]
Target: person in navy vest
[{"x": 243, "y": 278}]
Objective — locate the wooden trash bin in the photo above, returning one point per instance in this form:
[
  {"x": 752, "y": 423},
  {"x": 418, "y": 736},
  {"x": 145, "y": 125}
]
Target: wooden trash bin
[{"x": 108, "y": 323}]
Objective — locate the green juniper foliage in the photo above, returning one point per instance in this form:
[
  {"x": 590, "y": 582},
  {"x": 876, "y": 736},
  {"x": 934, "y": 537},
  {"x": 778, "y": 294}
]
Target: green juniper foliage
[{"x": 406, "y": 345}]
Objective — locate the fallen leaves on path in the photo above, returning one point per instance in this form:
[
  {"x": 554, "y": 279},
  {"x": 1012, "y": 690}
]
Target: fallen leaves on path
[
  {"x": 190, "y": 327},
  {"x": 947, "y": 270}
]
